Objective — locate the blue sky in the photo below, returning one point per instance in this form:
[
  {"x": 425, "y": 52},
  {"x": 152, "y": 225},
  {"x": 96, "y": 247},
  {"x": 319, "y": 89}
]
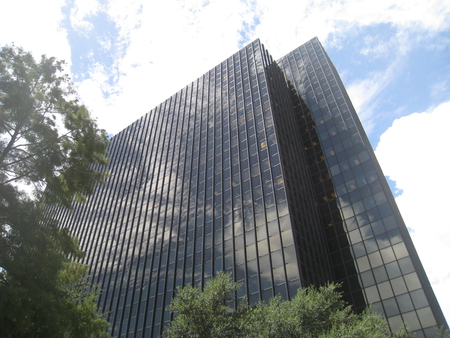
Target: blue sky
[{"x": 126, "y": 57}]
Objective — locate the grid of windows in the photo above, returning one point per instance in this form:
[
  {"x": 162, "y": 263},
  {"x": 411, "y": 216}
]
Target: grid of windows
[
  {"x": 196, "y": 187},
  {"x": 259, "y": 168}
]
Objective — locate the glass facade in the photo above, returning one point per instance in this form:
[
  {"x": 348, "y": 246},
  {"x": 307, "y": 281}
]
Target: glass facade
[
  {"x": 259, "y": 168},
  {"x": 370, "y": 249}
]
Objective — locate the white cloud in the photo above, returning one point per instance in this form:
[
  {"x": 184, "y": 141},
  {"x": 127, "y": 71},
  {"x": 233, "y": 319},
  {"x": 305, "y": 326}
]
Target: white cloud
[
  {"x": 168, "y": 46},
  {"x": 35, "y": 26},
  {"x": 182, "y": 40},
  {"x": 285, "y": 24},
  {"x": 79, "y": 12},
  {"x": 414, "y": 153}
]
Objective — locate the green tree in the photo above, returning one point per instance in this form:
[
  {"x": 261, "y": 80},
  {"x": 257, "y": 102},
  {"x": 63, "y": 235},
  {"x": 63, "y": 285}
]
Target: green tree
[
  {"x": 311, "y": 313},
  {"x": 47, "y": 139},
  {"x": 204, "y": 313},
  {"x": 85, "y": 320},
  {"x": 42, "y": 292},
  {"x": 49, "y": 142}
]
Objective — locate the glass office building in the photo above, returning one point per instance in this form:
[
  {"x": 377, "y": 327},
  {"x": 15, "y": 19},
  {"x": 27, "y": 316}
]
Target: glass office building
[{"x": 260, "y": 168}]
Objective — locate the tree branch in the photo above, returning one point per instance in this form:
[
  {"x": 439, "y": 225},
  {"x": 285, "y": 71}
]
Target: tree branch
[
  {"x": 10, "y": 145},
  {"x": 17, "y": 178}
]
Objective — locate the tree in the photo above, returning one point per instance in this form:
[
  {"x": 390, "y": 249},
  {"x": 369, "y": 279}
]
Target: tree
[
  {"x": 42, "y": 292},
  {"x": 311, "y": 313},
  {"x": 85, "y": 320},
  {"x": 48, "y": 141},
  {"x": 204, "y": 313}
]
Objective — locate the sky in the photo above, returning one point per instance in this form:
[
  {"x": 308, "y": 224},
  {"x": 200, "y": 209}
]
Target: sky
[{"x": 127, "y": 56}]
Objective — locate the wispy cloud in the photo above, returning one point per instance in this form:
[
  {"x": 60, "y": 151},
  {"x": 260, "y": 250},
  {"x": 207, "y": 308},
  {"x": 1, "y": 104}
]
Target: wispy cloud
[
  {"x": 365, "y": 92},
  {"x": 441, "y": 89},
  {"x": 80, "y": 12}
]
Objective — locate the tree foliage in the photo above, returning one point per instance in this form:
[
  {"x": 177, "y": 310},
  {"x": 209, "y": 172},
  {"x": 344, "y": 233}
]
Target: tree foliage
[
  {"x": 311, "y": 313},
  {"x": 48, "y": 141},
  {"x": 204, "y": 313},
  {"x": 42, "y": 292}
]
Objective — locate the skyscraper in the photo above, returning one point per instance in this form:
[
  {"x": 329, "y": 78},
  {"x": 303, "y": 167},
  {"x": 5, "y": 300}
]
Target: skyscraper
[{"x": 260, "y": 168}]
